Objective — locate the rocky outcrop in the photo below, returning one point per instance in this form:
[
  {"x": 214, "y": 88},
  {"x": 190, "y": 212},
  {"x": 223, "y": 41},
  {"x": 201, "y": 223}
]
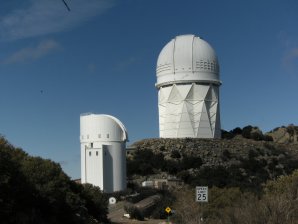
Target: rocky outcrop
[{"x": 284, "y": 134}]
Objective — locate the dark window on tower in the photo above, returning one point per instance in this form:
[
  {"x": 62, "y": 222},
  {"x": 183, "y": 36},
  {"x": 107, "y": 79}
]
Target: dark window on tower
[
  {"x": 91, "y": 144},
  {"x": 96, "y": 153},
  {"x": 108, "y": 135},
  {"x": 89, "y": 153}
]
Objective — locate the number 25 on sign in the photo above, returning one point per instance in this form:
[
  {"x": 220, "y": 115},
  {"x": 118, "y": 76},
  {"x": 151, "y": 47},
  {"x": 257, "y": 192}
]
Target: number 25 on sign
[{"x": 202, "y": 194}]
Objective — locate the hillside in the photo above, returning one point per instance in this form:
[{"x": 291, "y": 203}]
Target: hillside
[
  {"x": 250, "y": 181},
  {"x": 240, "y": 162},
  {"x": 36, "y": 190},
  {"x": 242, "y": 170}
]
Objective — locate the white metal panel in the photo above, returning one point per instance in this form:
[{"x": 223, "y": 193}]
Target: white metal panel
[
  {"x": 119, "y": 167},
  {"x": 194, "y": 115},
  {"x": 94, "y": 167},
  {"x": 183, "y": 53},
  {"x": 83, "y": 164},
  {"x": 185, "y": 59},
  {"x": 108, "y": 167},
  {"x": 165, "y": 60}
]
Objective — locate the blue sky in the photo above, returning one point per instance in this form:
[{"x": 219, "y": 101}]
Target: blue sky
[{"x": 100, "y": 57}]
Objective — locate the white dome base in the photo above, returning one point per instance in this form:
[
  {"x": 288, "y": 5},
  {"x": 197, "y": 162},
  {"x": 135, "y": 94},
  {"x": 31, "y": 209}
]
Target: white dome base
[{"x": 189, "y": 110}]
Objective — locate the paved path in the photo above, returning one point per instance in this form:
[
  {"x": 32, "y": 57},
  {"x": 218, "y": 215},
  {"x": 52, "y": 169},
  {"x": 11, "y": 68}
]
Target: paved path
[{"x": 116, "y": 216}]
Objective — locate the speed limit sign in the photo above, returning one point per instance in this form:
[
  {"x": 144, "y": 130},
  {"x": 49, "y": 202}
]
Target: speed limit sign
[{"x": 202, "y": 194}]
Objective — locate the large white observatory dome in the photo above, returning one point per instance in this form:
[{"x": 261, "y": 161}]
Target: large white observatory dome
[
  {"x": 188, "y": 89},
  {"x": 185, "y": 59}
]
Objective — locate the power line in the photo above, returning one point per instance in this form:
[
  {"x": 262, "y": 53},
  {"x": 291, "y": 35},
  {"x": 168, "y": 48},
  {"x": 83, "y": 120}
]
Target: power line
[{"x": 66, "y": 5}]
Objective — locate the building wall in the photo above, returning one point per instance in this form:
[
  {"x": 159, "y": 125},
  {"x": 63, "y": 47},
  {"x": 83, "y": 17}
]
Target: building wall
[
  {"x": 103, "y": 161},
  {"x": 189, "y": 110},
  {"x": 94, "y": 166},
  {"x": 114, "y": 161}
]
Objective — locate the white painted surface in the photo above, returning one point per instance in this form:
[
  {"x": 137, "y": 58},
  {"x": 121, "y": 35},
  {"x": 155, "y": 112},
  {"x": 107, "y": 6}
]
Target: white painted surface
[
  {"x": 103, "y": 161},
  {"x": 112, "y": 200},
  {"x": 202, "y": 194},
  {"x": 147, "y": 183},
  {"x": 188, "y": 89}
]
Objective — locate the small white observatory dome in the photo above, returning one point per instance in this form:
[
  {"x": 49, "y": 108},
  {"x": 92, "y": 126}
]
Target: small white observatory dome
[
  {"x": 103, "y": 152},
  {"x": 187, "y": 58},
  {"x": 101, "y": 127}
]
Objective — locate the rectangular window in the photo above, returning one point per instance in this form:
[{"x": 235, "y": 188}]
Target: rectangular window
[
  {"x": 91, "y": 145},
  {"x": 96, "y": 153},
  {"x": 108, "y": 135},
  {"x": 89, "y": 153}
]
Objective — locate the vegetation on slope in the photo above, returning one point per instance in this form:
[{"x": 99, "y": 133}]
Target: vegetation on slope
[
  {"x": 237, "y": 162},
  {"x": 252, "y": 179},
  {"x": 276, "y": 203},
  {"x": 249, "y": 173},
  {"x": 281, "y": 134},
  {"x": 35, "y": 190}
]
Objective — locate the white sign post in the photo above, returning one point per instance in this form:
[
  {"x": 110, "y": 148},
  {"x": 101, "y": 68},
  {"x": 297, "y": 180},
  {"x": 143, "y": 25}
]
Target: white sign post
[{"x": 202, "y": 194}]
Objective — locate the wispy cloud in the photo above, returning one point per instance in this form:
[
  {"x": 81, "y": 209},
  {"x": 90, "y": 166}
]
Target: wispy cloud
[
  {"x": 291, "y": 56},
  {"x": 49, "y": 16},
  {"x": 290, "y": 60},
  {"x": 285, "y": 39},
  {"x": 126, "y": 63},
  {"x": 91, "y": 67},
  {"x": 32, "y": 53}
]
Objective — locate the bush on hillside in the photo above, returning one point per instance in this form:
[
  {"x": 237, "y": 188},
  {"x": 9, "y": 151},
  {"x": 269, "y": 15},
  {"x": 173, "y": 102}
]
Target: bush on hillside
[
  {"x": 237, "y": 131},
  {"x": 226, "y": 134},
  {"x": 34, "y": 190},
  {"x": 133, "y": 211},
  {"x": 276, "y": 203},
  {"x": 246, "y": 131}
]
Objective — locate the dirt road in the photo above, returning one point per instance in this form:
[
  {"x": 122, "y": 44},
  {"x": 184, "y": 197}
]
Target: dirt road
[{"x": 116, "y": 216}]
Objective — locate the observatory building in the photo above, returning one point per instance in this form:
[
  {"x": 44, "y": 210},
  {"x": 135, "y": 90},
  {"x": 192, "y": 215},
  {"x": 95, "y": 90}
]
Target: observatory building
[
  {"x": 103, "y": 141},
  {"x": 188, "y": 89}
]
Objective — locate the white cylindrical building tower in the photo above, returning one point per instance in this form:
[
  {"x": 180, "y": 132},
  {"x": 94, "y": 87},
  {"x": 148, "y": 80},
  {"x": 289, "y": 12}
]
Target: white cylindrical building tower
[
  {"x": 188, "y": 89},
  {"x": 103, "y": 156}
]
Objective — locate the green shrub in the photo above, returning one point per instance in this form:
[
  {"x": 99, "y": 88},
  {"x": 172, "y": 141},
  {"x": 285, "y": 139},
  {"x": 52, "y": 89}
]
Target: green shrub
[
  {"x": 189, "y": 162},
  {"x": 257, "y": 136},
  {"x": 133, "y": 211},
  {"x": 35, "y": 190},
  {"x": 226, "y": 154},
  {"x": 246, "y": 131},
  {"x": 226, "y": 135},
  {"x": 237, "y": 131},
  {"x": 268, "y": 138},
  {"x": 175, "y": 154}
]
